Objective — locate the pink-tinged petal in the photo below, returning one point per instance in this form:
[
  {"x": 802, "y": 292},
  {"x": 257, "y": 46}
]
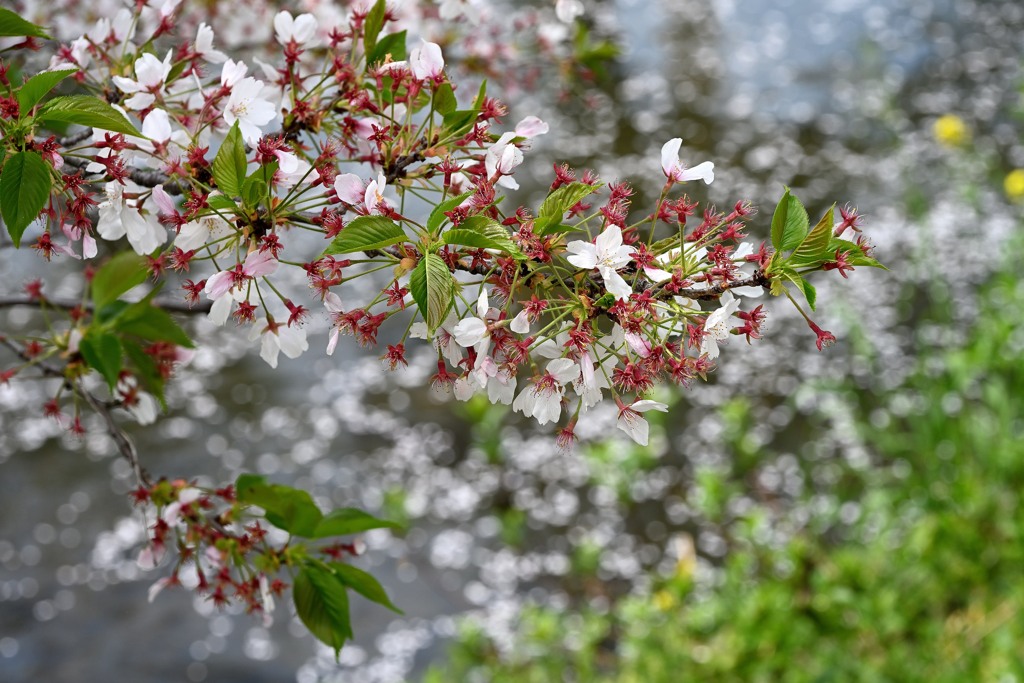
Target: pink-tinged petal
[
  {"x": 350, "y": 188},
  {"x": 640, "y": 346},
  {"x": 426, "y": 61},
  {"x": 218, "y": 284},
  {"x": 332, "y": 341},
  {"x": 670, "y": 156},
  {"x": 531, "y": 127},
  {"x": 521, "y": 323},
  {"x": 163, "y": 200},
  {"x": 259, "y": 263},
  {"x": 657, "y": 274}
]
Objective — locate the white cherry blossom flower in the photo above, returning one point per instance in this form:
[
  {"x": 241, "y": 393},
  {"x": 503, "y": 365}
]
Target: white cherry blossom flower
[
  {"x": 275, "y": 338},
  {"x": 473, "y": 331},
  {"x": 246, "y": 105},
  {"x": 232, "y": 73},
  {"x": 542, "y": 400},
  {"x": 742, "y": 251},
  {"x": 204, "y": 46},
  {"x": 501, "y": 158},
  {"x": 373, "y": 196},
  {"x": 677, "y": 172},
  {"x": 426, "y": 61},
  {"x": 150, "y": 77},
  {"x": 607, "y": 254},
  {"x": 300, "y": 29},
  {"x": 632, "y": 422},
  {"x": 118, "y": 218},
  {"x": 716, "y": 327},
  {"x": 443, "y": 338}
]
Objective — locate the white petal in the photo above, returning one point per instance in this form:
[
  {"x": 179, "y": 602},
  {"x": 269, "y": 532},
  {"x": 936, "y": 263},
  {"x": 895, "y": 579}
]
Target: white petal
[{"x": 670, "y": 155}]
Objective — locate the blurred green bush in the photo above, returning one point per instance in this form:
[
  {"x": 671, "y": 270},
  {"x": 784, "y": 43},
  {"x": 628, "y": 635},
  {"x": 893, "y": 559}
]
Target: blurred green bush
[{"x": 926, "y": 585}]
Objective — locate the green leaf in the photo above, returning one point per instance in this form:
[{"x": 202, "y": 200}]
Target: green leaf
[
  {"x": 230, "y": 164},
  {"x": 789, "y": 224},
  {"x": 366, "y": 233},
  {"x": 287, "y": 508},
  {"x": 392, "y": 44},
  {"x": 86, "y": 110},
  {"x": 344, "y": 521},
  {"x": 810, "y": 293},
  {"x": 102, "y": 352},
  {"x": 221, "y": 203},
  {"x": 444, "y": 99},
  {"x": 254, "y": 191},
  {"x": 460, "y": 122},
  {"x": 483, "y": 233},
  {"x": 11, "y": 24},
  {"x": 37, "y": 87},
  {"x": 437, "y": 216},
  {"x": 24, "y": 188},
  {"x": 372, "y": 25},
  {"x": 481, "y": 94},
  {"x": 322, "y": 604},
  {"x": 154, "y": 324},
  {"x": 854, "y": 254},
  {"x": 146, "y": 369},
  {"x": 433, "y": 288},
  {"x": 117, "y": 276},
  {"x": 364, "y": 584},
  {"x": 814, "y": 248},
  {"x": 555, "y": 206}
]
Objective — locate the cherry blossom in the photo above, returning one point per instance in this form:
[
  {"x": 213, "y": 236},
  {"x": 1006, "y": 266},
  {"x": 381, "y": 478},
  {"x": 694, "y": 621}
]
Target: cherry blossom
[
  {"x": 501, "y": 158},
  {"x": 607, "y": 254},
  {"x": 247, "y": 106},
  {"x": 300, "y": 29},
  {"x": 716, "y": 327},
  {"x": 632, "y": 422},
  {"x": 542, "y": 400},
  {"x": 150, "y": 75},
  {"x": 676, "y": 172},
  {"x": 426, "y": 61},
  {"x": 118, "y": 218}
]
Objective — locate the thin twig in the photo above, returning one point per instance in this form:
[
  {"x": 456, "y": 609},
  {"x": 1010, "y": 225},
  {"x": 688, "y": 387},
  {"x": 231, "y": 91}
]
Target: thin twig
[{"x": 121, "y": 439}]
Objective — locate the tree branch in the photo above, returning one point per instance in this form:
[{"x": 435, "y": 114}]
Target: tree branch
[{"x": 67, "y": 305}]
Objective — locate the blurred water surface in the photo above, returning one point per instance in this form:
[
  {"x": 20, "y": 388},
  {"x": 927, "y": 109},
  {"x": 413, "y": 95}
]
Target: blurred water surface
[{"x": 833, "y": 98}]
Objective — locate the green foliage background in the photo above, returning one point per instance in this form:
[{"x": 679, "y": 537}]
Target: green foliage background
[{"x": 926, "y": 585}]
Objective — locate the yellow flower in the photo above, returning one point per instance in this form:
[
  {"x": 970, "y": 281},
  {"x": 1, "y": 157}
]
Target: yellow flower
[
  {"x": 1014, "y": 184},
  {"x": 951, "y": 131}
]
